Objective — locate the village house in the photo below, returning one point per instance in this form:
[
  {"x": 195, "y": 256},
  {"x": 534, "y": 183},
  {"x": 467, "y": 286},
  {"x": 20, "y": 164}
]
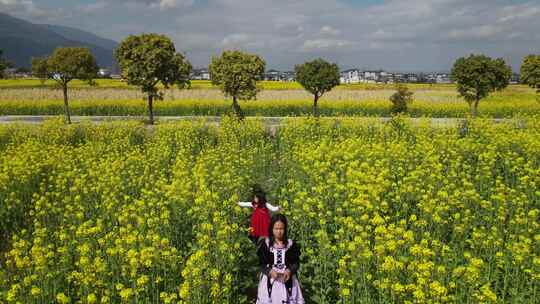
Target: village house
[
  {"x": 200, "y": 74},
  {"x": 17, "y": 73},
  {"x": 272, "y": 75},
  {"x": 371, "y": 76},
  {"x": 350, "y": 76},
  {"x": 275, "y": 75},
  {"x": 386, "y": 77},
  {"x": 104, "y": 73},
  {"x": 288, "y": 76},
  {"x": 443, "y": 78},
  {"x": 411, "y": 78}
]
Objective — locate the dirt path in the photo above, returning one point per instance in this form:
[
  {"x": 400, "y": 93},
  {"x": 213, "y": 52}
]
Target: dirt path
[{"x": 36, "y": 119}]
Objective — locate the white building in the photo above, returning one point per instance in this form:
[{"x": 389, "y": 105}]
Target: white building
[
  {"x": 205, "y": 75},
  {"x": 104, "y": 73},
  {"x": 200, "y": 74},
  {"x": 443, "y": 78},
  {"x": 351, "y": 76},
  {"x": 371, "y": 76}
]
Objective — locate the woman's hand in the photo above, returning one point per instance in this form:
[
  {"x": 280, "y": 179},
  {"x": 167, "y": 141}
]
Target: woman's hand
[
  {"x": 286, "y": 275},
  {"x": 273, "y": 274}
]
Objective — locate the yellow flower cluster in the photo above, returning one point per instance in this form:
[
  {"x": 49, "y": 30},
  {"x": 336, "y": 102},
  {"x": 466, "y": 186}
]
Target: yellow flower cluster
[
  {"x": 113, "y": 97},
  {"x": 403, "y": 214},
  {"x": 383, "y": 212}
]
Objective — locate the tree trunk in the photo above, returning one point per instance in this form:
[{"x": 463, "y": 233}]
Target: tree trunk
[
  {"x": 315, "y": 109},
  {"x": 471, "y": 108},
  {"x": 475, "y": 110},
  {"x": 237, "y": 110},
  {"x": 66, "y": 107},
  {"x": 150, "y": 109}
]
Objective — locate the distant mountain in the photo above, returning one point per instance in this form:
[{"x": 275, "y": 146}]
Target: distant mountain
[
  {"x": 80, "y": 35},
  {"x": 21, "y": 40}
]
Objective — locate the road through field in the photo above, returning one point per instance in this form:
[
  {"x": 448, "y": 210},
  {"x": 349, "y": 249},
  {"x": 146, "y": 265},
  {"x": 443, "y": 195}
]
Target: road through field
[{"x": 36, "y": 119}]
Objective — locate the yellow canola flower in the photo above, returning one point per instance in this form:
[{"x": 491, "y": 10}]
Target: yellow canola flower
[{"x": 62, "y": 298}]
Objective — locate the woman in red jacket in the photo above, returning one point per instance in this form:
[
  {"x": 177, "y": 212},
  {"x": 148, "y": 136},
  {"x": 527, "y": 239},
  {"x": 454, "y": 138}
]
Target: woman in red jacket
[{"x": 260, "y": 218}]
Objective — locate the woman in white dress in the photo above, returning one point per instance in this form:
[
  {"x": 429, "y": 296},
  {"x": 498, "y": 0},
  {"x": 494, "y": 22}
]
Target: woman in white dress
[{"x": 279, "y": 259}]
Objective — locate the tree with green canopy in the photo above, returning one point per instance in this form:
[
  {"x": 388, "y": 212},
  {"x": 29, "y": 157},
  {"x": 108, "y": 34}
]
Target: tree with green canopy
[
  {"x": 149, "y": 59},
  {"x": 530, "y": 72},
  {"x": 39, "y": 69},
  {"x": 64, "y": 65},
  {"x": 3, "y": 65},
  {"x": 477, "y": 76},
  {"x": 317, "y": 77},
  {"x": 401, "y": 99},
  {"x": 236, "y": 73}
]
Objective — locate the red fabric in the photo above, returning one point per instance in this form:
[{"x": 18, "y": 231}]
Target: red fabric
[{"x": 260, "y": 221}]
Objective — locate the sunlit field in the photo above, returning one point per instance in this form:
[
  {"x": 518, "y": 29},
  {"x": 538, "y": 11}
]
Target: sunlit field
[
  {"x": 200, "y": 84},
  {"x": 384, "y": 212},
  {"x": 113, "y": 97}
]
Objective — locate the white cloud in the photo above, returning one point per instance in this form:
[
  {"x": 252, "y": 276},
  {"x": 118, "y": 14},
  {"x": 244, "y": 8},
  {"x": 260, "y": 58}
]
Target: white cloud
[
  {"x": 519, "y": 12},
  {"x": 168, "y": 4},
  {"x": 476, "y": 32},
  {"x": 235, "y": 39},
  {"x": 162, "y": 5},
  {"x": 387, "y": 45},
  {"x": 289, "y": 24},
  {"x": 22, "y": 7},
  {"x": 328, "y": 30},
  {"x": 394, "y": 34},
  {"x": 94, "y": 7},
  {"x": 324, "y": 44},
  {"x": 241, "y": 41}
]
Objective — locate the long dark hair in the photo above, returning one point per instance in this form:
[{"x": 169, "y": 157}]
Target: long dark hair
[
  {"x": 261, "y": 196},
  {"x": 278, "y": 217}
]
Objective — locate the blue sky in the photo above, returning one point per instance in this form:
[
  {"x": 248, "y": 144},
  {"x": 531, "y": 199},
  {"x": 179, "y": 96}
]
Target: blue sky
[{"x": 396, "y": 35}]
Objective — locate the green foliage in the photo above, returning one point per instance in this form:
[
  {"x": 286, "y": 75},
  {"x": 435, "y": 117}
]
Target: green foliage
[
  {"x": 236, "y": 73},
  {"x": 384, "y": 212},
  {"x": 66, "y": 64},
  {"x": 3, "y": 65},
  {"x": 401, "y": 99},
  {"x": 317, "y": 77},
  {"x": 477, "y": 76},
  {"x": 39, "y": 69},
  {"x": 149, "y": 59},
  {"x": 530, "y": 72}
]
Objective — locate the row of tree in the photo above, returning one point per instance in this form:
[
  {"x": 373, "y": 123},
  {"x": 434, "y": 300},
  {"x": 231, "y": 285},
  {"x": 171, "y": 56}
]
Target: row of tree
[{"x": 148, "y": 60}]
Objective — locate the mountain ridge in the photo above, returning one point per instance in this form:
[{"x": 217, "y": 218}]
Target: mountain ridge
[{"x": 21, "y": 40}]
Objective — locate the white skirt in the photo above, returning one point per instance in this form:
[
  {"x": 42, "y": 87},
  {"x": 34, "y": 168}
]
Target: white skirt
[{"x": 279, "y": 292}]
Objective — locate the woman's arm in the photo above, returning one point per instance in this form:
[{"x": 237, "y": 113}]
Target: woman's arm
[
  {"x": 272, "y": 208},
  {"x": 294, "y": 258},
  {"x": 268, "y": 205},
  {"x": 263, "y": 253},
  {"x": 245, "y": 204}
]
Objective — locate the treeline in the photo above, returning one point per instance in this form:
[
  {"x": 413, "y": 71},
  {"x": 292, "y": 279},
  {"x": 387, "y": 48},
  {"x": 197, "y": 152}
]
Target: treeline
[{"x": 150, "y": 59}]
